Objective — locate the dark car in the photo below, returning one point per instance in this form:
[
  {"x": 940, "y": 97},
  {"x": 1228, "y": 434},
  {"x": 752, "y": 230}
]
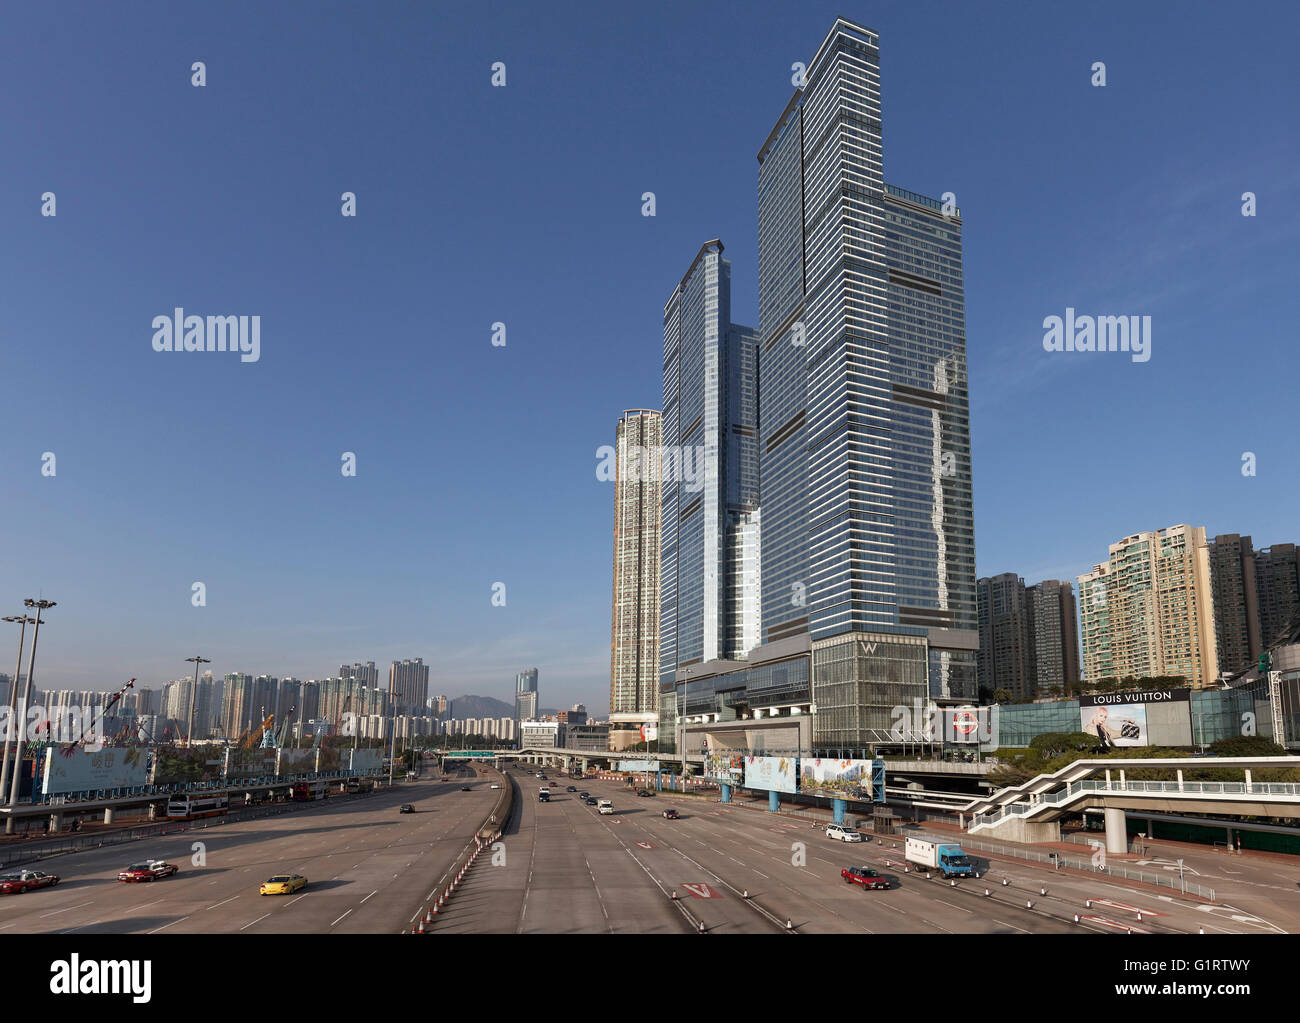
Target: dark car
[
  {"x": 26, "y": 880},
  {"x": 584, "y": 795},
  {"x": 671, "y": 815},
  {"x": 591, "y": 800},
  {"x": 571, "y": 788},
  {"x": 864, "y": 876},
  {"x": 147, "y": 870},
  {"x": 406, "y": 808},
  {"x": 466, "y": 788},
  {"x": 644, "y": 792}
]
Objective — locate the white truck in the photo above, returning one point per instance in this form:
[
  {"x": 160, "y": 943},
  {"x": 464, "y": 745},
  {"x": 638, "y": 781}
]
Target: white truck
[
  {"x": 605, "y": 806},
  {"x": 950, "y": 859}
]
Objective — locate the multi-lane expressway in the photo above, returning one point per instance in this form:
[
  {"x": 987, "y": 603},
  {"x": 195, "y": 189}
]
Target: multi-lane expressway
[
  {"x": 562, "y": 867},
  {"x": 369, "y": 869}
]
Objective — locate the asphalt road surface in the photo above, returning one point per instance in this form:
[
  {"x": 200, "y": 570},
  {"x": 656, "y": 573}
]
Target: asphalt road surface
[{"x": 370, "y": 869}]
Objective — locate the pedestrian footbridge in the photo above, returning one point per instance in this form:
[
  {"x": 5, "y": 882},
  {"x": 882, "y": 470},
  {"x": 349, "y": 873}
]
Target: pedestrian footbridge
[{"x": 1031, "y": 812}]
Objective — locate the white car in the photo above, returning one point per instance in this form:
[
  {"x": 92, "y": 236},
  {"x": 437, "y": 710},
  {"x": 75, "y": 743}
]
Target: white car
[
  {"x": 495, "y": 785},
  {"x": 844, "y": 833}
]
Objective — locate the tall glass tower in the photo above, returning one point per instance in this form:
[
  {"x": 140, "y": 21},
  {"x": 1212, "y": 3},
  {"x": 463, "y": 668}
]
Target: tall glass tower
[
  {"x": 864, "y": 430},
  {"x": 709, "y": 568}
]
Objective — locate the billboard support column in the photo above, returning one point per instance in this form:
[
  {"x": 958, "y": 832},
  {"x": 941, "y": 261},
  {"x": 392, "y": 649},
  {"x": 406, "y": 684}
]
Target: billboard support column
[
  {"x": 726, "y": 793},
  {"x": 108, "y": 815},
  {"x": 774, "y": 801},
  {"x": 839, "y": 806}
]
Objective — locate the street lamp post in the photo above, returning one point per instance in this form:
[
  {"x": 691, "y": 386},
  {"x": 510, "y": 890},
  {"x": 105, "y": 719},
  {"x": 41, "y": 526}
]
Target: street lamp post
[
  {"x": 194, "y": 697},
  {"x": 16, "y": 781},
  {"x": 22, "y": 621}
]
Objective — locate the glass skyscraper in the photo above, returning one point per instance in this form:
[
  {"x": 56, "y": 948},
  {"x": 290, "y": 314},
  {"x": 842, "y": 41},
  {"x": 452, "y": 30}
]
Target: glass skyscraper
[
  {"x": 864, "y": 441},
  {"x": 709, "y": 552}
]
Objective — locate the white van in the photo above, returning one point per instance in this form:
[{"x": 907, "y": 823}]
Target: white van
[{"x": 605, "y": 806}]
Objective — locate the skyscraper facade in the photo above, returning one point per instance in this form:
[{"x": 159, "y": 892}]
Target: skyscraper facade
[
  {"x": 635, "y": 627},
  {"x": 526, "y": 695},
  {"x": 864, "y": 438},
  {"x": 709, "y": 567}
]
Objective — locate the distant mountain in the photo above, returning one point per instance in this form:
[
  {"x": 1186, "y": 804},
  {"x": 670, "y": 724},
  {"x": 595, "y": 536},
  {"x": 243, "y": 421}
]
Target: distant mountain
[{"x": 479, "y": 707}]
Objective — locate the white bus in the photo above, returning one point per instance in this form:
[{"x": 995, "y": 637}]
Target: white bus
[{"x": 188, "y": 806}]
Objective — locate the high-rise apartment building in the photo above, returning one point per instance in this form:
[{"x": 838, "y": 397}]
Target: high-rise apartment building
[
  {"x": 635, "y": 629},
  {"x": 1277, "y": 576},
  {"x": 1149, "y": 609},
  {"x": 1006, "y": 653},
  {"x": 366, "y": 674},
  {"x": 864, "y": 437},
  {"x": 1054, "y": 634},
  {"x": 709, "y": 553},
  {"x": 408, "y": 681},
  {"x": 236, "y": 705},
  {"x": 1236, "y": 601}
]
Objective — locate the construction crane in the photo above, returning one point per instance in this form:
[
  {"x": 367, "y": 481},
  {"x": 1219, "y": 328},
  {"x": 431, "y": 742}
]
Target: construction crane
[
  {"x": 256, "y": 734},
  {"x": 284, "y": 729}
]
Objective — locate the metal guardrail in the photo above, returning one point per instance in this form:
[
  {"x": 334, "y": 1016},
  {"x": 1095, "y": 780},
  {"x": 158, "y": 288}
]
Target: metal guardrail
[{"x": 1110, "y": 870}]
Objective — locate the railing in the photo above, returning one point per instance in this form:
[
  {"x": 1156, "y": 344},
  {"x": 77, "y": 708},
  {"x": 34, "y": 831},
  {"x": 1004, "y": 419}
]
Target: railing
[
  {"x": 1274, "y": 790},
  {"x": 1110, "y": 869}
]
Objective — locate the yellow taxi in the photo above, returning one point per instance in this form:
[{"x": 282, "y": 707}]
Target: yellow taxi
[{"x": 283, "y": 884}]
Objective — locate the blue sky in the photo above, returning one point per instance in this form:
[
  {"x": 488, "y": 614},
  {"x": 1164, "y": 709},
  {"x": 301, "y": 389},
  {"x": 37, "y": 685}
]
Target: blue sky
[{"x": 476, "y": 464}]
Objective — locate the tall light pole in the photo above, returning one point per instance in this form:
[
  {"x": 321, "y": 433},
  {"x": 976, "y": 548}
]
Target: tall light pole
[
  {"x": 22, "y": 621},
  {"x": 194, "y": 696},
  {"x": 392, "y": 709},
  {"x": 16, "y": 780}
]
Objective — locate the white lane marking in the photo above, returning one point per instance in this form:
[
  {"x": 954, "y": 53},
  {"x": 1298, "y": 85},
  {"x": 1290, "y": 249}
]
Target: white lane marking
[
  {"x": 368, "y": 896},
  {"x": 165, "y": 926},
  {"x": 67, "y": 910},
  {"x": 251, "y": 922},
  {"x": 951, "y": 906},
  {"x": 1012, "y": 926},
  {"x": 223, "y": 902},
  {"x": 340, "y": 918},
  {"x": 298, "y": 899}
]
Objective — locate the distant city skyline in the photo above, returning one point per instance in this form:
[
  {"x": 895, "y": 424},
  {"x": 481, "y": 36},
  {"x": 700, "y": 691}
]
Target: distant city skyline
[{"x": 404, "y": 556}]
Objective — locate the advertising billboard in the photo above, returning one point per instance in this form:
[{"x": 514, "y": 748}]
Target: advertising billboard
[
  {"x": 1122, "y": 719},
  {"x": 78, "y": 770},
  {"x": 365, "y": 761},
  {"x": 725, "y": 767},
  {"x": 775, "y": 774},
  {"x": 175, "y": 764},
  {"x": 649, "y": 733},
  {"x": 296, "y": 761},
  {"x": 838, "y": 779},
  {"x": 637, "y": 765},
  {"x": 250, "y": 763}
]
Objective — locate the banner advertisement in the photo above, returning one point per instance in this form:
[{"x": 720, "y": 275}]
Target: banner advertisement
[
  {"x": 837, "y": 779},
  {"x": 77, "y": 770},
  {"x": 725, "y": 767},
  {"x": 173, "y": 765},
  {"x": 637, "y": 765},
  {"x": 296, "y": 761},
  {"x": 251, "y": 763},
  {"x": 365, "y": 761},
  {"x": 775, "y": 774},
  {"x": 1120, "y": 719}
]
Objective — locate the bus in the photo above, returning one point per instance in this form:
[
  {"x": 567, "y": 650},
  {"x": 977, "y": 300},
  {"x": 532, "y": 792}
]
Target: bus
[
  {"x": 305, "y": 790},
  {"x": 360, "y": 785},
  {"x": 189, "y": 806}
]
